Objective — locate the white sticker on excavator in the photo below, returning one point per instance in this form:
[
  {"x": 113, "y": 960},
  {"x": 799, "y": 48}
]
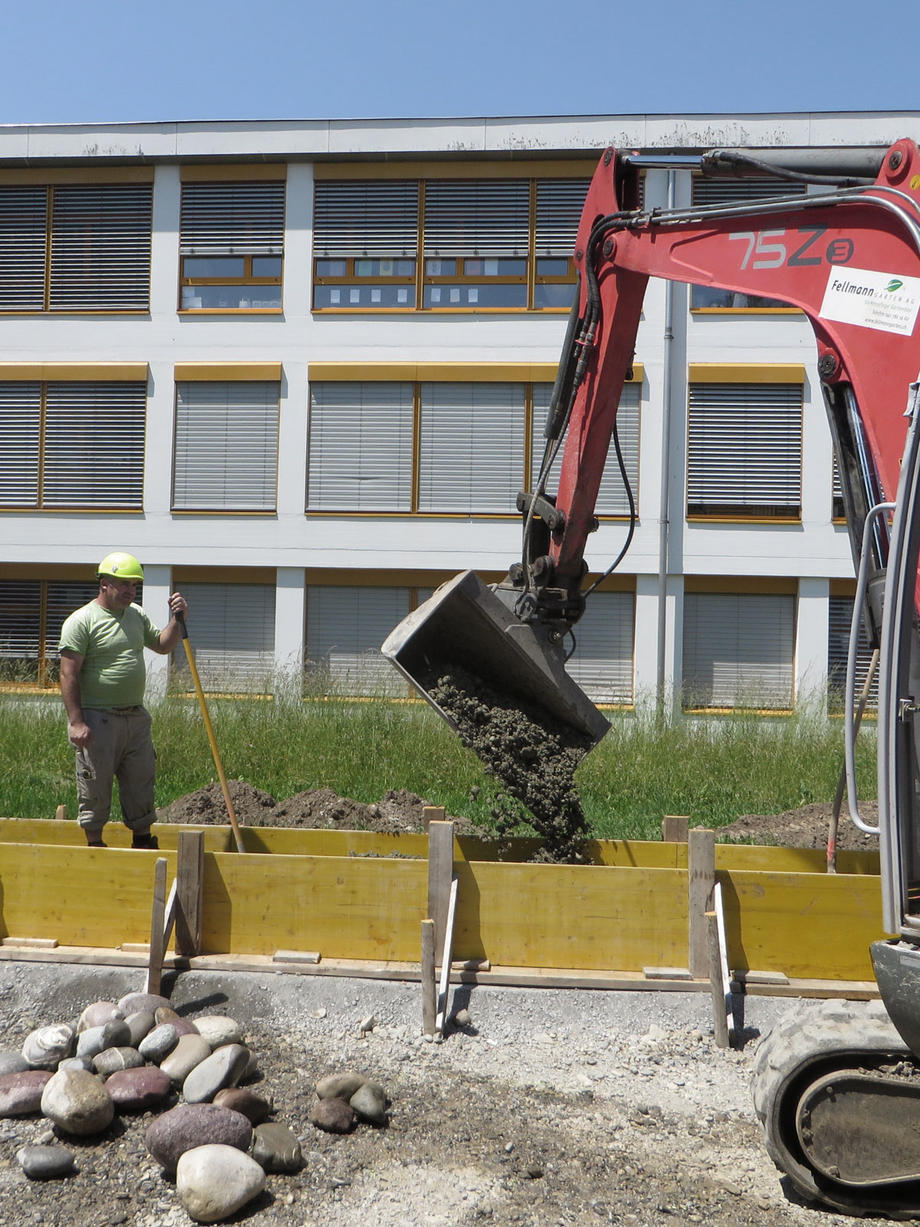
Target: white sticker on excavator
[{"x": 872, "y": 300}]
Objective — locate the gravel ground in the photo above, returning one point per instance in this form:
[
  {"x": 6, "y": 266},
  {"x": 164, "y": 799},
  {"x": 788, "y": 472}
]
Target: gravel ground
[{"x": 548, "y": 1107}]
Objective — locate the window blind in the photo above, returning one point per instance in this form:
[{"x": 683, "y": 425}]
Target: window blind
[
  {"x": 360, "y": 447},
  {"x": 345, "y": 628},
  {"x": 744, "y": 449},
  {"x": 611, "y": 498},
  {"x": 840, "y": 615},
  {"x": 226, "y": 448},
  {"x": 365, "y": 218},
  {"x": 62, "y": 597},
  {"x": 232, "y": 219},
  {"x": 100, "y": 248},
  {"x": 20, "y": 429},
  {"x": 724, "y": 190},
  {"x": 471, "y": 446},
  {"x": 23, "y": 222},
  {"x": 559, "y": 205},
  {"x": 738, "y": 650},
  {"x": 20, "y": 622},
  {"x": 234, "y": 636},
  {"x": 477, "y": 217},
  {"x": 602, "y": 663},
  {"x": 94, "y": 444}
]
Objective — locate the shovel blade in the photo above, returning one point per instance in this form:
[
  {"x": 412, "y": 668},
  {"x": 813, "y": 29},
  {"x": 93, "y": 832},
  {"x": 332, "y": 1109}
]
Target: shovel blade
[{"x": 465, "y": 624}]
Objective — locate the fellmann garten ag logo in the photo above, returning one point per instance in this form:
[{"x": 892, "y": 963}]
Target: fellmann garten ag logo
[{"x": 871, "y": 299}]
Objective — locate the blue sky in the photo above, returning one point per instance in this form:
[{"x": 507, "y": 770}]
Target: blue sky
[{"x": 318, "y": 59}]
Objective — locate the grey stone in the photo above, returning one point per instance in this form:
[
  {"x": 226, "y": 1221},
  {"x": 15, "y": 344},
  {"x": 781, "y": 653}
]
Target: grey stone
[
  {"x": 158, "y": 1043},
  {"x": 332, "y": 1115},
  {"x": 215, "y": 1181},
  {"x": 132, "y": 1002},
  {"x": 184, "y": 1026},
  {"x": 339, "y": 1086},
  {"x": 93, "y": 1040},
  {"x": 190, "y": 1051},
  {"x": 112, "y": 1059},
  {"x": 190, "y": 1125},
  {"x": 221, "y": 1069},
  {"x": 253, "y": 1106},
  {"x": 46, "y": 1047},
  {"x": 45, "y": 1162},
  {"x": 139, "y": 1089},
  {"x": 21, "y": 1093},
  {"x": 78, "y": 1063},
  {"x": 77, "y": 1102},
  {"x": 370, "y": 1103},
  {"x": 140, "y": 1023},
  {"x": 276, "y": 1148},
  {"x": 98, "y": 1014},
  {"x": 218, "y": 1030},
  {"x": 12, "y": 1062}
]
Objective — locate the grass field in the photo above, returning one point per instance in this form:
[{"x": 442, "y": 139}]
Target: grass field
[{"x": 712, "y": 769}]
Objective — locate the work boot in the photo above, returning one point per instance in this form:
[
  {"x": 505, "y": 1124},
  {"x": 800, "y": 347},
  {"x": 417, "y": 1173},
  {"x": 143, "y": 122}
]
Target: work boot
[
  {"x": 145, "y": 841},
  {"x": 95, "y": 843}
]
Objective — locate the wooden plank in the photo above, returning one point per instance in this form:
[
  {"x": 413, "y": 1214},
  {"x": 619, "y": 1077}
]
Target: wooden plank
[
  {"x": 674, "y": 828},
  {"x": 700, "y": 881},
  {"x": 445, "y": 958},
  {"x": 717, "y": 982},
  {"x": 432, "y": 813},
  {"x": 731, "y": 857},
  {"x": 60, "y": 814},
  {"x": 190, "y": 892},
  {"x": 666, "y": 973},
  {"x": 157, "y": 917},
  {"x": 440, "y": 874},
  {"x": 33, "y": 943},
  {"x": 295, "y": 956},
  {"x": 429, "y": 992}
]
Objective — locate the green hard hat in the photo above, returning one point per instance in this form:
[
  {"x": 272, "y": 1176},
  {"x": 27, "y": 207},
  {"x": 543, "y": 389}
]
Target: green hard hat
[{"x": 121, "y": 566}]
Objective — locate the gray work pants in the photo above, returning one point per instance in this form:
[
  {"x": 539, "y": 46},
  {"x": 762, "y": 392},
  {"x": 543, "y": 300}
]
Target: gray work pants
[{"x": 121, "y": 748}]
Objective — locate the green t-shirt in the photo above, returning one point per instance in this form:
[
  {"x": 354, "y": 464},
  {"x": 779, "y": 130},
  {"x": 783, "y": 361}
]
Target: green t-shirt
[{"x": 112, "y": 646}]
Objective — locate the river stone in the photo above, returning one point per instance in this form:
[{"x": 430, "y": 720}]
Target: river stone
[
  {"x": 184, "y": 1026},
  {"x": 113, "y": 1059},
  {"x": 158, "y": 1043},
  {"x": 190, "y": 1125},
  {"x": 275, "y": 1148},
  {"x": 98, "y": 1014},
  {"x": 45, "y": 1162},
  {"x": 370, "y": 1103},
  {"x": 93, "y": 1040},
  {"x": 12, "y": 1062},
  {"x": 139, "y": 1089},
  {"x": 46, "y": 1047},
  {"x": 21, "y": 1093},
  {"x": 339, "y": 1086},
  {"x": 190, "y": 1051},
  {"x": 140, "y": 1023},
  {"x": 253, "y": 1106},
  {"x": 78, "y": 1063},
  {"x": 332, "y": 1115},
  {"x": 221, "y": 1069},
  {"x": 218, "y": 1030},
  {"x": 215, "y": 1181},
  {"x": 77, "y": 1102},
  {"x": 132, "y": 1002}
]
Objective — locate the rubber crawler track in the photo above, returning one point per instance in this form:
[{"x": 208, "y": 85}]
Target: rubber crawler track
[{"x": 833, "y": 1035}]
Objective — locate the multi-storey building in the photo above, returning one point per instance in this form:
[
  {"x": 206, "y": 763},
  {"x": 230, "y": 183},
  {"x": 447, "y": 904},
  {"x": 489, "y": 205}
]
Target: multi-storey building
[{"x": 300, "y": 370}]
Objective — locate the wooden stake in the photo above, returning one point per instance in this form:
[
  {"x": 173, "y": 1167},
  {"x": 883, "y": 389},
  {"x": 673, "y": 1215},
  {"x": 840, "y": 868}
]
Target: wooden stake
[
  {"x": 60, "y": 814},
  {"x": 701, "y": 878},
  {"x": 445, "y": 958},
  {"x": 189, "y": 892},
  {"x": 674, "y": 829},
  {"x": 719, "y": 1014},
  {"x": 429, "y": 993},
  {"x": 432, "y": 813},
  {"x": 161, "y": 925},
  {"x": 440, "y": 872}
]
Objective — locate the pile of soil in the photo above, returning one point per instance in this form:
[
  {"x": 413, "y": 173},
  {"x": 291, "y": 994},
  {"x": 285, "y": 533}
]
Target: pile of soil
[{"x": 806, "y": 827}]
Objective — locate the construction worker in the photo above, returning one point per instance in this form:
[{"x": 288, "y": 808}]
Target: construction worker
[{"x": 102, "y": 684}]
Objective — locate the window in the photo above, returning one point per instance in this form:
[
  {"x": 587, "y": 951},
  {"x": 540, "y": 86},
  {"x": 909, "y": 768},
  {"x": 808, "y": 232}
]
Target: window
[
  {"x": 611, "y": 498},
  {"x": 226, "y": 449},
  {"x": 76, "y": 445},
  {"x": 234, "y": 637},
  {"x": 360, "y": 447},
  {"x": 602, "y": 663},
  {"x": 345, "y": 628},
  {"x": 446, "y": 244},
  {"x": 231, "y": 243},
  {"x": 738, "y": 650},
  {"x": 75, "y": 247},
  {"x": 725, "y": 191},
  {"x": 744, "y": 450},
  {"x": 840, "y": 616},
  {"x": 32, "y": 613}
]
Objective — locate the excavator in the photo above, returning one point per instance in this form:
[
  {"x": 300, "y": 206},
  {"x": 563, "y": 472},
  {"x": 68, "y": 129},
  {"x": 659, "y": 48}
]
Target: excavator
[{"x": 837, "y": 1089}]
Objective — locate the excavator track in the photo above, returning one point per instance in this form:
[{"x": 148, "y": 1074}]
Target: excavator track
[{"x": 837, "y": 1092}]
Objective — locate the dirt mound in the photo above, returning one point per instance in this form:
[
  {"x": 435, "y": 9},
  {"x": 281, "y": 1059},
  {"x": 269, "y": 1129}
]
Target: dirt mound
[
  {"x": 806, "y": 827},
  {"x": 396, "y": 813}
]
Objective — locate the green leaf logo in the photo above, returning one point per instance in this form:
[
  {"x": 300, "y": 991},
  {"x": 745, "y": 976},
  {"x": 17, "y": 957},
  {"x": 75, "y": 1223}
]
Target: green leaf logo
[{"x": 893, "y": 285}]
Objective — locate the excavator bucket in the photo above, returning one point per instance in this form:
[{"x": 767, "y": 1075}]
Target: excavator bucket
[{"x": 466, "y": 632}]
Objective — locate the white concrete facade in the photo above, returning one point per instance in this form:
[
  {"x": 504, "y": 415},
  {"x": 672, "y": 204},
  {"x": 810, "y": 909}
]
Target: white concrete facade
[{"x": 806, "y": 557}]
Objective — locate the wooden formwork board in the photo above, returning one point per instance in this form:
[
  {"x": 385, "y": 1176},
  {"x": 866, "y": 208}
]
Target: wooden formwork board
[
  {"x": 805, "y": 925},
  {"x": 70, "y": 834}
]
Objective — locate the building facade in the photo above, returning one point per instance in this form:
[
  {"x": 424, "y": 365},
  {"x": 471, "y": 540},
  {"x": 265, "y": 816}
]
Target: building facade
[{"x": 301, "y": 369}]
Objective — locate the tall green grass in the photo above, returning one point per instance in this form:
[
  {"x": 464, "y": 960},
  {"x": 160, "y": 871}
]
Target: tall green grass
[{"x": 711, "y": 769}]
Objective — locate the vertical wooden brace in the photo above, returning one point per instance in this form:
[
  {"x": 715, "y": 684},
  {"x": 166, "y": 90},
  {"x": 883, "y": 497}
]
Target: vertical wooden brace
[
  {"x": 674, "y": 829},
  {"x": 429, "y": 987},
  {"x": 440, "y": 872},
  {"x": 189, "y": 892},
  {"x": 701, "y": 878}
]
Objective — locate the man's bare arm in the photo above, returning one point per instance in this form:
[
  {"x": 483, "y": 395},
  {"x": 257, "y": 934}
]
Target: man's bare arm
[{"x": 78, "y": 731}]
